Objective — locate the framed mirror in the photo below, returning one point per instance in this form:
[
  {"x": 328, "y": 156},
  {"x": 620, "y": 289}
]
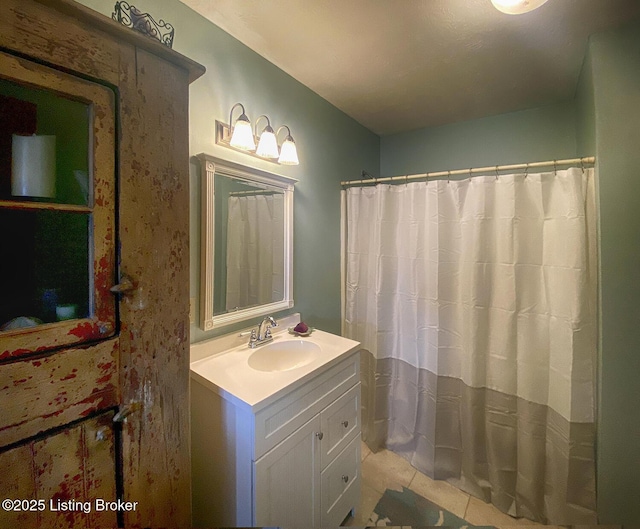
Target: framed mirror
[{"x": 246, "y": 246}]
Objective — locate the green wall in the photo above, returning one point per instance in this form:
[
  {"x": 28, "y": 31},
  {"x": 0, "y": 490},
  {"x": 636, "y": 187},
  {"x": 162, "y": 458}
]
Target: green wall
[
  {"x": 586, "y": 110},
  {"x": 535, "y": 135},
  {"x": 612, "y": 111},
  {"x": 331, "y": 147}
]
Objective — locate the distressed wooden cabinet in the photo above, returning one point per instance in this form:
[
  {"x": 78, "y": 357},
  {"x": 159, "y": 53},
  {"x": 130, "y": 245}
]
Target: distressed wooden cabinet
[
  {"x": 98, "y": 355},
  {"x": 293, "y": 463}
]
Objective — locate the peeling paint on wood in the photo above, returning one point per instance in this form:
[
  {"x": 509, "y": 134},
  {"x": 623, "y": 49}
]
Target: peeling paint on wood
[
  {"x": 60, "y": 388},
  {"x": 75, "y": 464},
  {"x": 156, "y": 355},
  {"x": 148, "y": 362}
]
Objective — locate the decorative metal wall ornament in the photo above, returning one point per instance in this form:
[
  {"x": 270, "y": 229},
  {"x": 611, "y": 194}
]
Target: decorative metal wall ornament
[{"x": 132, "y": 17}]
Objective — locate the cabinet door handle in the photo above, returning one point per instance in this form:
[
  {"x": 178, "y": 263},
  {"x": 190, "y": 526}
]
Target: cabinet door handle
[
  {"x": 319, "y": 435},
  {"x": 125, "y": 286},
  {"x": 345, "y": 478},
  {"x": 345, "y": 424},
  {"x": 102, "y": 433}
]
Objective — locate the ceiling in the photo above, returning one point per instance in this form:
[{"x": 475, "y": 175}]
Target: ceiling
[{"x": 399, "y": 65}]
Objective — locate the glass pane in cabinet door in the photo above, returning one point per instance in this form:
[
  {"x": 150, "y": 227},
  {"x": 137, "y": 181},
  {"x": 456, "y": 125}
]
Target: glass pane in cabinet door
[
  {"x": 44, "y": 146},
  {"x": 57, "y": 209},
  {"x": 45, "y": 270}
]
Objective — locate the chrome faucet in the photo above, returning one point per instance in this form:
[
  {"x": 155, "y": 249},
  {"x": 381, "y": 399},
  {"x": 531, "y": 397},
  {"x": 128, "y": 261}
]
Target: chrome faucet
[{"x": 263, "y": 333}]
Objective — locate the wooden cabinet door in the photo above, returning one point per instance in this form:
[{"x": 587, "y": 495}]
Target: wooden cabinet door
[
  {"x": 287, "y": 481},
  {"x": 45, "y": 475},
  {"x": 131, "y": 351},
  {"x": 60, "y": 378}
]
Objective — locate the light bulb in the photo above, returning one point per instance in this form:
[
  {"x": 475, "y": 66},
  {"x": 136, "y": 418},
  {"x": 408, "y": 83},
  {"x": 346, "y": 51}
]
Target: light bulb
[
  {"x": 267, "y": 146},
  {"x": 288, "y": 152},
  {"x": 242, "y": 137}
]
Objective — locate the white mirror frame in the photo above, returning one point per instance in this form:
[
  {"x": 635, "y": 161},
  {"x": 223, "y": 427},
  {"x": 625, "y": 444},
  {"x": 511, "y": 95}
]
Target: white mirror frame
[{"x": 209, "y": 167}]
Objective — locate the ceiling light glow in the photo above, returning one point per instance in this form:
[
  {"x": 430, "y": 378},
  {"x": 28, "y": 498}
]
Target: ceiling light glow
[{"x": 517, "y": 7}]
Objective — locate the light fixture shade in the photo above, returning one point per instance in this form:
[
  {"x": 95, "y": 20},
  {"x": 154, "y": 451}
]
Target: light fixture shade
[
  {"x": 517, "y": 7},
  {"x": 288, "y": 152},
  {"x": 267, "y": 146},
  {"x": 242, "y": 137}
]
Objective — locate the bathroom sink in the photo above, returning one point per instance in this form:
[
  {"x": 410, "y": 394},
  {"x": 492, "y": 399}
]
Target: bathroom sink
[{"x": 283, "y": 356}]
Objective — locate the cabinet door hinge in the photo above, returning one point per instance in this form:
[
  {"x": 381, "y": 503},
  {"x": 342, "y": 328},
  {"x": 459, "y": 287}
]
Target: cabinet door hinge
[{"x": 126, "y": 410}]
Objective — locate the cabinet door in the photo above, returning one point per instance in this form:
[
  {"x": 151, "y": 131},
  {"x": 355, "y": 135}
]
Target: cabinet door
[
  {"x": 46, "y": 475},
  {"x": 59, "y": 358},
  {"x": 287, "y": 481}
]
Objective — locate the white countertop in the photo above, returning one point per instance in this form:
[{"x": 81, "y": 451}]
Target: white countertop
[{"x": 229, "y": 374}]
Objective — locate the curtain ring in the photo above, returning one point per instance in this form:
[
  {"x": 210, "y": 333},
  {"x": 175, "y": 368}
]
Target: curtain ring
[
  {"x": 497, "y": 174},
  {"x": 470, "y": 175},
  {"x": 582, "y": 164},
  {"x": 448, "y": 177},
  {"x": 406, "y": 179},
  {"x": 555, "y": 168},
  {"x": 526, "y": 170}
]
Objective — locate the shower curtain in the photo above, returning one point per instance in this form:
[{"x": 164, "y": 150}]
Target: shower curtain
[
  {"x": 475, "y": 303},
  {"x": 255, "y": 250}
]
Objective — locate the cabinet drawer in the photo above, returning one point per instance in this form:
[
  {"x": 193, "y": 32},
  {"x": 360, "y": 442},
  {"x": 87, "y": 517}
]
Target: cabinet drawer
[
  {"x": 282, "y": 418},
  {"x": 339, "y": 422},
  {"x": 340, "y": 485}
]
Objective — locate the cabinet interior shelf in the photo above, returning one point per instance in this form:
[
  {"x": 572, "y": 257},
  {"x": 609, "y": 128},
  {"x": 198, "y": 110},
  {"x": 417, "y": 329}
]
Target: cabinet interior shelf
[{"x": 51, "y": 206}]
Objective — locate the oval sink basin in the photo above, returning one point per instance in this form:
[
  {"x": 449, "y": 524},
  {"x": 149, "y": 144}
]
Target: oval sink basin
[{"x": 283, "y": 356}]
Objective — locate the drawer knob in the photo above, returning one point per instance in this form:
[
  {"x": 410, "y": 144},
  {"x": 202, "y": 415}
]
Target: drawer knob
[
  {"x": 319, "y": 435},
  {"x": 345, "y": 478},
  {"x": 345, "y": 424}
]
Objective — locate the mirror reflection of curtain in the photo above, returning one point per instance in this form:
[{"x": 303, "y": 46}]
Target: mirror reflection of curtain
[{"x": 255, "y": 250}]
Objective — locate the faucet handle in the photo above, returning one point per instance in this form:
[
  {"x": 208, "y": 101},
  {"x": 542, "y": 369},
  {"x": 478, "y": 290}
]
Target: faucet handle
[{"x": 253, "y": 338}]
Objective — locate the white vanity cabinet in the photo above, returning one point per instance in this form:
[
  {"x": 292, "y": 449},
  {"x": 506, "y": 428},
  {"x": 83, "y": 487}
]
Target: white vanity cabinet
[{"x": 294, "y": 462}]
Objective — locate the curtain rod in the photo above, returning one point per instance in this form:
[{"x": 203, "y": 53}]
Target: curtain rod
[
  {"x": 259, "y": 192},
  {"x": 588, "y": 160}
]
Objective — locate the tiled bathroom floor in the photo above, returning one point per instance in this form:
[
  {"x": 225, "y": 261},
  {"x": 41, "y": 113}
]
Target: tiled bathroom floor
[{"x": 386, "y": 470}]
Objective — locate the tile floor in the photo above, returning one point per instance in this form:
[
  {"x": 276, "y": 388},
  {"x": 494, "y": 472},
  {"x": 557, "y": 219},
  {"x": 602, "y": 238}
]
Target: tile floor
[{"x": 386, "y": 470}]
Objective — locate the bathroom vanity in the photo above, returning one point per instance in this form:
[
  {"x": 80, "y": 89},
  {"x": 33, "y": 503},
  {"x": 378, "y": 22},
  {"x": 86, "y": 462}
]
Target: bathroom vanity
[{"x": 275, "y": 443}]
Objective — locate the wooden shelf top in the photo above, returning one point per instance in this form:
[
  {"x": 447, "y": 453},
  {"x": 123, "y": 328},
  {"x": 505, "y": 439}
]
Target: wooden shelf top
[{"x": 110, "y": 26}]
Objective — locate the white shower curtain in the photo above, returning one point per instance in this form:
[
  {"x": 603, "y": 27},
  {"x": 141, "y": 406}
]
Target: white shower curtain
[
  {"x": 255, "y": 250},
  {"x": 475, "y": 302}
]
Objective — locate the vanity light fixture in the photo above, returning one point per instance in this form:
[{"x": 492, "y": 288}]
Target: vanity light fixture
[
  {"x": 242, "y": 137},
  {"x": 288, "y": 151},
  {"x": 517, "y": 7},
  {"x": 267, "y": 146}
]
